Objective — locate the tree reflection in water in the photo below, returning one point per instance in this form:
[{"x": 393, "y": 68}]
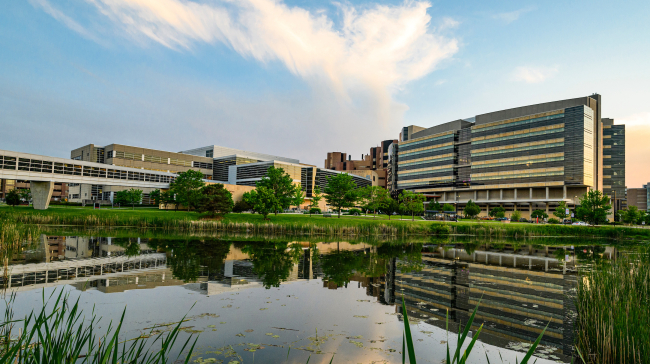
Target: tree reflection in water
[
  {"x": 273, "y": 261},
  {"x": 189, "y": 258}
]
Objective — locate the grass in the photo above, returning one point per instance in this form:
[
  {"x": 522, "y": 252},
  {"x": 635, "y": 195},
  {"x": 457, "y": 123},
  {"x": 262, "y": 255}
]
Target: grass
[
  {"x": 613, "y": 324},
  {"x": 301, "y": 224}
]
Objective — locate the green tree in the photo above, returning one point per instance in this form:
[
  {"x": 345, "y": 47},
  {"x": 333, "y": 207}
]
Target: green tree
[
  {"x": 560, "y": 211},
  {"x": 186, "y": 188},
  {"x": 498, "y": 212},
  {"x": 516, "y": 216},
  {"x": 630, "y": 215},
  {"x": 539, "y": 214},
  {"x": 155, "y": 195},
  {"x": 241, "y": 206},
  {"x": 133, "y": 197},
  {"x": 26, "y": 195},
  {"x": 262, "y": 200},
  {"x": 643, "y": 216},
  {"x": 471, "y": 209},
  {"x": 392, "y": 206},
  {"x": 121, "y": 198},
  {"x": 12, "y": 198},
  {"x": 167, "y": 197},
  {"x": 594, "y": 207},
  {"x": 412, "y": 202},
  {"x": 448, "y": 207},
  {"x": 435, "y": 206},
  {"x": 375, "y": 198},
  {"x": 281, "y": 185},
  {"x": 216, "y": 200},
  {"x": 273, "y": 261},
  {"x": 341, "y": 192},
  {"x": 316, "y": 197}
]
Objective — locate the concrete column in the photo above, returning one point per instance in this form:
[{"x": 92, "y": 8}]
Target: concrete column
[
  {"x": 530, "y": 209},
  {"x": 564, "y": 192},
  {"x": 501, "y": 194},
  {"x": 475, "y": 196},
  {"x": 515, "y": 195},
  {"x": 487, "y": 195},
  {"x": 531, "y": 193},
  {"x": 546, "y": 206},
  {"x": 444, "y": 196},
  {"x": 547, "y": 193},
  {"x": 41, "y": 194}
]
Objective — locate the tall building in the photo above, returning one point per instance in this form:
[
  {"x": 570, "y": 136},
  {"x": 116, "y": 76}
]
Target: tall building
[
  {"x": 614, "y": 163},
  {"x": 376, "y": 160},
  {"x": 525, "y": 158}
]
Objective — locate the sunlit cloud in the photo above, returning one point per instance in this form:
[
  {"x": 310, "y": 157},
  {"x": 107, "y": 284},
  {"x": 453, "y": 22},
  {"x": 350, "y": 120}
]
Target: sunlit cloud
[{"x": 533, "y": 74}]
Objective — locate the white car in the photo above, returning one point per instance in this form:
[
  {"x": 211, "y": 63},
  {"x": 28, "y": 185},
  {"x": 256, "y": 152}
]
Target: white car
[{"x": 580, "y": 223}]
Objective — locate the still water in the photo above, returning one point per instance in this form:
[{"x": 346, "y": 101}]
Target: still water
[{"x": 251, "y": 299}]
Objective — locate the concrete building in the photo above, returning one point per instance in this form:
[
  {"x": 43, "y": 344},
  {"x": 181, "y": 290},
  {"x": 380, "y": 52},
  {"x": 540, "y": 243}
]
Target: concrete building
[
  {"x": 376, "y": 160},
  {"x": 526, "y": 158},
  {"x": 639, "y": 197},
  {"x": 614, "y": 163},
  {"x": 59, "y": 193}
]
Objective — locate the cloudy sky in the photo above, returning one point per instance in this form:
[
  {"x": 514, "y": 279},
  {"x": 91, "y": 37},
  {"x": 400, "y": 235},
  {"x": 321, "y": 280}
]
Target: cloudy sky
[{"x": 299, "y": 78}]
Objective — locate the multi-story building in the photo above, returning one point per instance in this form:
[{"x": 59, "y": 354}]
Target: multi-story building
[
  {"x": 639, "y": 197},
  {"x": 526, "y": 158},
  {"x": 614, "y": 163},
  {"x": 134, "y": 157},
  {"x": 376, "y": 160},
  {"x": 60, "y": 189}
]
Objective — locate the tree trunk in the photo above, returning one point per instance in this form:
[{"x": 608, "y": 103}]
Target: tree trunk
[
  {"x": 339, "y": 213},
  {"x": 413, "y": 216}
]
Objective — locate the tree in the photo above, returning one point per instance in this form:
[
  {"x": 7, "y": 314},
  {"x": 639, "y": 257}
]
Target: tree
[
  {"x": 133, "y": 197},
  {"x": 560, "y": 211},
  {"x": 262, "y": 200},
  {"x": 186, "y": 186},
  {"x": 435, "y": 206},
  {"x": 167, "y": 197},
  {"x": 630, "y": 215},
  {"x": 121, "y": 198},
  {"x": 155, "y": 195},
  {"x": 316, "y": 196},
  {"x": 216, "y": 200},
  {"x": 643, "y": 216},
  {"x": 281, "y": 185},
  {"x": 392, "y": 206},
  {"x": 412, "y": 202},
  {"x": 498, "y": 212},
  {"x": 273, "y": 261},
  {"x": 539, "y": 214},
  {"x": 471, "y": 210},
  {"x": 516, "y": 216},
  {"x": 241, "y": 206},
  {"x": 12, "y": 198},
  {"x": 341, "y": 192},
  {"x": 26, "y": 195},
  {"x": 375, "y": 198},
  {"x": 448, "y": 207},
  {"x": 594, "y": 207}
]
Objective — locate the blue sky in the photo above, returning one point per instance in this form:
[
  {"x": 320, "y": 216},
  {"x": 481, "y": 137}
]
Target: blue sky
[{"x": 301, "y": 78}]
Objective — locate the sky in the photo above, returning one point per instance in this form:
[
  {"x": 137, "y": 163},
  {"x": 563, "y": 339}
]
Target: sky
[{"x": 300, "y": 78}]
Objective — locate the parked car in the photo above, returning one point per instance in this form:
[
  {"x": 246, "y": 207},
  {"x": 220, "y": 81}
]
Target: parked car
[
  {"x": 502, "y": 219},
  {"x": 523, "y": 219},
  {"x": 580, "y": 223}
]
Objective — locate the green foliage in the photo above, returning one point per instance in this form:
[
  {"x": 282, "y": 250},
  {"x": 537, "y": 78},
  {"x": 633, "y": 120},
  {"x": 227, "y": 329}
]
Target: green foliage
[
  {"x": 498, "y": 212},
  {"x": 412, "y": 202},
  {"x": 594, "y": 207},
  {"x": 516, "y": 216},
  {"x": 263, "y": 201},
  {"x": 448, "y": 207},
  {"x": 391, "y": 207},
  {"x": 241, "y": 206},
  {"x": 539, "y": 214},
  {"x": 167, "y": 197},
  {"x": 560, "y": 211},
  {"x": 439, "y": 229},
  {"x": 315, "y": 210},
  {"x": 281, "y": 185},
  {"x": 316, "y": 197},
  {"x": 355, "y": 212},
  {"x": 471, "y": 210},
  {"x": 128, "y": 197},
  {"x": 25, "y": 195},
  {"x": 12, "y": 198},
  {"x": 155, "y": 195},
  {"x": 374, "y": 197},
  {"x": 553, "y": 221},
  {"x": 186, "y": 187},
  {"x": 273, "y": 261},
  {"x": 630, "y": 215},
  {"x": 341, "y": 192},
  {"x": 216, "y": 200},
  {"x": 435, "y": 206}
]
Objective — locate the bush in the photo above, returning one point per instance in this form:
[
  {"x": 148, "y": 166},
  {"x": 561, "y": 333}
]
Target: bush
[
  {"x": 241, "y": 206},
  {"x": 439, "y": 229},
  {"x": 523, "y": 219},
  {"x": 354, "y": 212},
  {"x": 516, "y": 216},
  {"x": 315, "y": 210},
  {"x": 553, "y": 221}
]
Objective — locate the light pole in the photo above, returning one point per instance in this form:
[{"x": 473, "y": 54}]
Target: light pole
[{"x": 456, "y": 196}]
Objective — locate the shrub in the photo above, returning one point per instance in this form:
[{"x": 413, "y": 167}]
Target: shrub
[
  {"x": 523, "y": 219},
  {"x": 354, "y": 212},
  {"x": 516, "y": 216},
  {"x": 439, "y": 229},
  {"x": 553, "y": 221},
  {"x": 315, "y": 210}
]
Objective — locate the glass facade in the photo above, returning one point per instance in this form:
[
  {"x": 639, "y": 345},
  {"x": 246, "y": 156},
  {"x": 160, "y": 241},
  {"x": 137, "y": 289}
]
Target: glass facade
[{"x": 613, "y": 159}]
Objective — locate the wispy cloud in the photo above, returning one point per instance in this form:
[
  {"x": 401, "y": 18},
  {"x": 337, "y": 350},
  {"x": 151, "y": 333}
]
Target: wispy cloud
[
  {"x": 511, "y": 16},
  {"x": 533, "y": 74},
  {"x": 63, "y": 18}
]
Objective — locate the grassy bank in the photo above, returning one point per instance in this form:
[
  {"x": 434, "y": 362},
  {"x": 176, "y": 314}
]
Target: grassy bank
[{"x": 292, "y": 224}]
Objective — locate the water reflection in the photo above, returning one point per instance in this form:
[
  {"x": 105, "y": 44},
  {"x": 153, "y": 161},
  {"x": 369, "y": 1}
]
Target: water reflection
[{"x": 522, "y": 285}]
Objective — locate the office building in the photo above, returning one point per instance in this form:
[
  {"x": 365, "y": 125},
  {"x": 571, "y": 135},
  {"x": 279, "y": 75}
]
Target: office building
[
  {"x": 639, "y": 197},
  {"x": 525, "y": 158},
  {"x": 60, "y": 192},
  {"x": 614, "y": 163},
  {"x": 376, "y": 160}
]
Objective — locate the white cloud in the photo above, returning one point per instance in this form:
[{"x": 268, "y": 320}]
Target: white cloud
[
  {"x": 511, "y": 16},
  {"x": 533, "y": 74}
]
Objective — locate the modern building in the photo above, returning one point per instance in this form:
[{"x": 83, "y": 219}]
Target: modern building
[
  {"x": 614, "y": 163},
  {"x": 60, "y": 189},
  {"x": 525, "y": 158},
  {"x": 376, "y": 160},
  {"x": 639, "y": 197}
]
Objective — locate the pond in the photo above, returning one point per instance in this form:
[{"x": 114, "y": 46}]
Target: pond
[{"x": 280, "y": 299}]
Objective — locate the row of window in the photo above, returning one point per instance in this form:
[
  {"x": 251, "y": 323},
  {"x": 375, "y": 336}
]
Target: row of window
[
  {"x": 522, "y": 135},
  {"x": 522, "y": 175},
  {"x": 426, "y": 151},
  {"x": 428, "y": 160},
  {"x": 514, "y": 162},
  {"x": 409, "y": 144},
  {"x": 522, "y": 122},
  {"x": 427, "y": 182},
  {"x": 427, "y": 171},
  {"x": 518, "y": 149},
  {"x": 155, "y": 159}
]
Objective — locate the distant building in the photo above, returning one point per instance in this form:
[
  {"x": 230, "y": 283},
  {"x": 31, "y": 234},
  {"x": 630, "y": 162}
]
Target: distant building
[
  {"x": 376, "y": 160},
  {"x": 639, "y": 197},
  {"x": 614, "y": 163}
]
